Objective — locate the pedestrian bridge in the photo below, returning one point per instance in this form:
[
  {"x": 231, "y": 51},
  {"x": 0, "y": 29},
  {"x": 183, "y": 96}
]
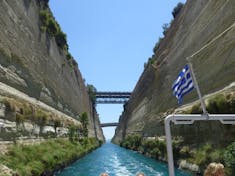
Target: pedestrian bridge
[
  {"x": 109, "y": 124},
  {"x": 112, "y": 97}
]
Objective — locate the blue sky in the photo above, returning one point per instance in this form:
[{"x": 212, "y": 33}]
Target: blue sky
[{"x": 111, "y": 40}]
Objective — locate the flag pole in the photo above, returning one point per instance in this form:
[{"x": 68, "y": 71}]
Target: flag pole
[{"x": 203, "y": 105}]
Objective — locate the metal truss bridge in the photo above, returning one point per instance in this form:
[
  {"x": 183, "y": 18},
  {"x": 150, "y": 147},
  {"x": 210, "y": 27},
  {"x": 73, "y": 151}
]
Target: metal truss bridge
[
  {"x": 112, "y": 97},
  {"x": 109, "y": 124}
]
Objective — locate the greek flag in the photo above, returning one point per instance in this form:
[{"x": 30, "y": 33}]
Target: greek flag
[{"x": 183, "y": 84}]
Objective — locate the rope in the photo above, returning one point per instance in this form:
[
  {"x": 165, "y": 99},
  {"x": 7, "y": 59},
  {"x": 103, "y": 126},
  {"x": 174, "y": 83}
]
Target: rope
[
  {"x": 214, "y": 39},
  {"x": 205, "y": 46}
]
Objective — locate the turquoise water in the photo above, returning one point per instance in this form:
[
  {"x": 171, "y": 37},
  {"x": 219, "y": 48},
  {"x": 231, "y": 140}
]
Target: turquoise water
[{"x": 116, "y": 161}]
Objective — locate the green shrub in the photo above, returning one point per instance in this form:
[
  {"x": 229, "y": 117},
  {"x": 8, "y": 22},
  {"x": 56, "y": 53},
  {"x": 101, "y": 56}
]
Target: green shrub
[
  {"x": 72, "y": 133},
  {"x": 152, "y": 148},
  {"x": 177, "y": 9},
  {"x": 132, "y": 142},
  {"x": 91, "y": 90},
  {"x": 84, "y": 120},
  {"x": 229, "y": 158},
  {"x": 165, "y": 28},
  {"x": 57, "y": 123},
  {"x": 44, "y": 4},
  {"x": 203, "y": 155},
  {"x": 49, "y": 25},
  {"x": 129, "y": 142},
  {"x": 149, "y": 144},
  {"x": 136, "y": 142},
  {"x": 155, "y": 153},
  {"x": 41, "y": 119},
  {"x": 52, "y": 27},
  {"x": 216, "y": 155},
  {"x": 61, "y": 40},
  {"x": 157, "y": 45},
  {"x": 185, "y": 152},
  {"x": 44, "y": 18},
  {"x": 69, "y": 56},
  {"x": 162, "y": 145}
]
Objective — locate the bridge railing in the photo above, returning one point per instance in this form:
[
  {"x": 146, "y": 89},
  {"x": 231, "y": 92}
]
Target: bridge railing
[
  {"x": 112, "y": 97},
  {"x": 109, "y": 124}
]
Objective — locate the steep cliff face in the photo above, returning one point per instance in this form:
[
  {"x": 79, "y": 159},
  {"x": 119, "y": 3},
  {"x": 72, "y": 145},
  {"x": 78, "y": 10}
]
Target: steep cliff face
[
  {"x": 32, "y": 62},
  {"x": 197, "y": 25}
]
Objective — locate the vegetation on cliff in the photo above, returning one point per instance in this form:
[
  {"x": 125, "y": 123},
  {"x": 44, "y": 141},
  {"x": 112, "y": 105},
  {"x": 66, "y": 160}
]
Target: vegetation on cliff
[
  {"x": 218, "y": 104},
  {"x": 201, "y": 156},
  {"x": 177, "y": 9},
  {"x": 84, "y": 120},
  {"x": 27, "y": 160},
  {"x": 49, "y": 25},
  {"x": 155, "y": 148},
  {"x": 23, "y": 112},
  {"x": 165, "y": 27},
  {"x": 91, "y": 92}
]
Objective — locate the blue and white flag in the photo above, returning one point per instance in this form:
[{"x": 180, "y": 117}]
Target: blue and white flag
[{"x": 183, "y": 84}]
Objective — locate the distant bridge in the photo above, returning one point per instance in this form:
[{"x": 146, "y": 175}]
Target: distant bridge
[
  {"x": 109, "y": 124},
  {"x": 112, "y": 97}
]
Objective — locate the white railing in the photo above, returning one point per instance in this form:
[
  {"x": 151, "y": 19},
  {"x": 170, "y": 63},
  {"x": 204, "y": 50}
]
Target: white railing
[{"x": 184, "y": 119}]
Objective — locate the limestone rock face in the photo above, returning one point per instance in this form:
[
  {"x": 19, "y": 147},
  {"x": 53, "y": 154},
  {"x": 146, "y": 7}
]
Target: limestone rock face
[
  {"x": 11, "y": 76},
  {"x": 31, "y": 61},
  {"x": 197, "y": 25}
]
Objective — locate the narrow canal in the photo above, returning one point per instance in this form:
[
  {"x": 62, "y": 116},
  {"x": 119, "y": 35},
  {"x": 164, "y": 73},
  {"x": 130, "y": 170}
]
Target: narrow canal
[{"x": 116, "y": 161}]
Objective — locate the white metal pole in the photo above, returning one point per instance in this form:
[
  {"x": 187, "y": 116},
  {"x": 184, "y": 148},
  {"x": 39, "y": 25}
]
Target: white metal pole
[
  {"x": 197, "y": 87},
  {"x": 169, "y": 145},
  {"x": 187, "y": 119}
]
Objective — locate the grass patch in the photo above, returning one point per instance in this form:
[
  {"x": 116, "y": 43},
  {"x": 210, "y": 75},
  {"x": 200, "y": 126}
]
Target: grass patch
[{"x": 29, "y": 160}]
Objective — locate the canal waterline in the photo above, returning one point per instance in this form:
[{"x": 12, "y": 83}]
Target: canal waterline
[{"x": 116, "y": 161}]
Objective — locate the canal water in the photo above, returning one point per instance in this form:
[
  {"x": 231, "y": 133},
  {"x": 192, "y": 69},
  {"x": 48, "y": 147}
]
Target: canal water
[{"x": 116, "y": 161}]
